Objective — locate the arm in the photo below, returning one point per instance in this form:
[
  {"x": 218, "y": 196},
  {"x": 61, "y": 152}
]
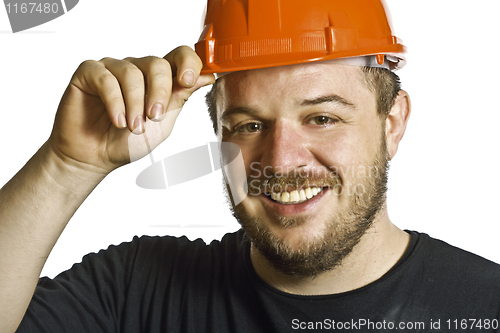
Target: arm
[
  {"x": 35, "y": 206},
  {"x": 105, "y": 101}
]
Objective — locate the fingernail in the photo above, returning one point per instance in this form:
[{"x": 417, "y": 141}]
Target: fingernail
[
  {"x": 122, "y": 122},
  {"x": 157, "y": 112},
  {"x": 138, "y": 125},
  {"x": 188, "y": 77}
]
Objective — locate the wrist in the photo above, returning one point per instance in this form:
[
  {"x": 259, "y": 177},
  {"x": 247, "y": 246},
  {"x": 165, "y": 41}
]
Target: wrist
[{"x": 67, "y": 172}]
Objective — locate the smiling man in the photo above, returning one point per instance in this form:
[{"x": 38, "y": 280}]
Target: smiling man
[
  {"x": 316, "y": 161},
  {"x": 309, "y": 95}
]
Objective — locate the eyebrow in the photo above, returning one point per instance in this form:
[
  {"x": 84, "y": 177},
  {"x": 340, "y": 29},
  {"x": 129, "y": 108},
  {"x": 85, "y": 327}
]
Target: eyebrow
[
  {"x": 334, "y": 99},
  {"x": 237, "y": 110}
]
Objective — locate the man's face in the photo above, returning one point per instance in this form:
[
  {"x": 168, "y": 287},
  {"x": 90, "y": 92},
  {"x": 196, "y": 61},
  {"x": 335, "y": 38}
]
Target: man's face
[{"x": 304, "y": 129}]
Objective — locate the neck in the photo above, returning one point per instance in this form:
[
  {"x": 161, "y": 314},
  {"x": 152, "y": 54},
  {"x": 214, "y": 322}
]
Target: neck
[{"x": 376, "y": 253}]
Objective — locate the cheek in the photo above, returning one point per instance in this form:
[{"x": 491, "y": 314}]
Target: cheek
[
  {"x": 335, "y": 145},
  {"x": 345, "y": 151},
  {"x": 251, "y": 158}
]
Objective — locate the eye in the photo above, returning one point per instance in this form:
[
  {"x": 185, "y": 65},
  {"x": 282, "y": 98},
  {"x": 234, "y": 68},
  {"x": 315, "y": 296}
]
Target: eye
[
  {"x": 322, "y": 120},
  {"x": 250, "y": 128}
]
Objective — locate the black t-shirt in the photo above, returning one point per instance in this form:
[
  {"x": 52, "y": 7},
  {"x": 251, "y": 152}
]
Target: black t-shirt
[{"x": 167, "y": 284}]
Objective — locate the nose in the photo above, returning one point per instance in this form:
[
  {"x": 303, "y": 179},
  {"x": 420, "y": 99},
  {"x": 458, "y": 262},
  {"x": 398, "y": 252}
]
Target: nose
[{"x": 285, "y": 148}]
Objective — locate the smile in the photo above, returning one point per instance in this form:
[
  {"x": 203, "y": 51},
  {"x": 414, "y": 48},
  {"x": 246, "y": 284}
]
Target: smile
[{"x": 294, "y": 197}]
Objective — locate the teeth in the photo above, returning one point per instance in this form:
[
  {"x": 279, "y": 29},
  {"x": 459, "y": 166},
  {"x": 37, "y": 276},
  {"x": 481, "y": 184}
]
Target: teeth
[
  {"x": 296, "y": 196},
  {"x": 302, "y": 195}
]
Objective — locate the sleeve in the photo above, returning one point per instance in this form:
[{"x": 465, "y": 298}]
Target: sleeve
[{"x": 86, "y": 298}]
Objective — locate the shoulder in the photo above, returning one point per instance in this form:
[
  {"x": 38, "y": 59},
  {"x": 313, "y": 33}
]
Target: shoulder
[
  {"x": 169, "y": 247},
  {"x": 453, "y": 265},
  {"x": 157, "y": 252}
]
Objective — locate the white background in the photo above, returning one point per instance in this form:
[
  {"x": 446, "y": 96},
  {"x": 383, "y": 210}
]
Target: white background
[{"x": 444, "y": 180}]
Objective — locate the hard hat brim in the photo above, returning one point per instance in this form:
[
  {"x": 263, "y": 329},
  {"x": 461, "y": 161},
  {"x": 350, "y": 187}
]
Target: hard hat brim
[{"x": 395, "y": 52}]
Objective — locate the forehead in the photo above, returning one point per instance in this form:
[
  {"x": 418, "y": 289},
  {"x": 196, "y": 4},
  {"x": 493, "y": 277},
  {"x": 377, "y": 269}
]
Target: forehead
[{"x": 286, "y": 85}]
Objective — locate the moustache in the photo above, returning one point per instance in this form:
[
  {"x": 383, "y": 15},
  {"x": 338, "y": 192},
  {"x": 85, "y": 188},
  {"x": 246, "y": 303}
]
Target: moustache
[{"x": 288, "y": 183}]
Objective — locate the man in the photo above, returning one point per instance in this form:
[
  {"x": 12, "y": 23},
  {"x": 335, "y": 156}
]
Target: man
[{"x": 315, "y": 140}]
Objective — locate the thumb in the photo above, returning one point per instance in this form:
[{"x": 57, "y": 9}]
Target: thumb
[{"x": 181, "y": 94}]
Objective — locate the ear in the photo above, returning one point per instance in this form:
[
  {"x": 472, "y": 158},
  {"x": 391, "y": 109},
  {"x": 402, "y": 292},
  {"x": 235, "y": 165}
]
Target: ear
[{"x": 395, "y": 124}]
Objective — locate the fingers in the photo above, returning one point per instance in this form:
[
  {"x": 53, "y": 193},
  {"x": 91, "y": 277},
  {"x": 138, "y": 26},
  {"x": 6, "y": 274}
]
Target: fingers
[
  {"x": 186, "y": 65},
  {"x": 93, "y": 78},
  {"x": 158, "y": 78},
  {"x": 135, "y": 88}
]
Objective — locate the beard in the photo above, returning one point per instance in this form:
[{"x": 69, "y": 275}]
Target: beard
[{"x": 344, "y": 227}]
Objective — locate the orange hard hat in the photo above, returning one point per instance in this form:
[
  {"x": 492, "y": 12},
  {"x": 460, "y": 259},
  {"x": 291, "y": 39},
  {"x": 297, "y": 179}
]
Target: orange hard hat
[{"x": 248, "y": 34}]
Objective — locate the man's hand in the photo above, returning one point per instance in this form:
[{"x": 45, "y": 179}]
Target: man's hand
[{"x": 106, "y": 100}]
